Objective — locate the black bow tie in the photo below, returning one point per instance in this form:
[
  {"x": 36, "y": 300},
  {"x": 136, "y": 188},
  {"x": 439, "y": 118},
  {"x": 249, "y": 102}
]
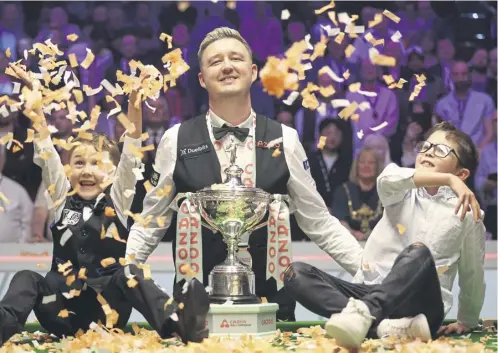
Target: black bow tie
[
  {"x": 77, "y": 204},
  {"x": 239, "y": 132}
]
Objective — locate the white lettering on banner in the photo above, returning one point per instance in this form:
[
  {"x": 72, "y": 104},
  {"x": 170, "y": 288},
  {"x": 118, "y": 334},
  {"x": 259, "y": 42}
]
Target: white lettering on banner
[
  {"x": 279, "y": 244},
  {"x": 188, "y": 241}
]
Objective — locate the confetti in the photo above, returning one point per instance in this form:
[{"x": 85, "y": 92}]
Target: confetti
[
  {"x": 321, "y": 142},
  {"x": 66, "y": 236},
  {"x": 146, "y": 269},
  {"x": 391, "y": 16},
  {"x": 276, "y": 153},
  {"x": 88, "y": 60},
  {"x": 168, "y": 38},
  {"x": 132, "y": 283},
  {"x": 82, "y": 273},
  {"x": 442, "y": 269},
  {"x": 49, "y": 299},
  {"x": 340, "y": 103},
  {"x": 401, "y": 229},
  {"x": 109, "y": 212},
  {"x": 349, "y": 50},
  {"x": 396, "y": 37},
  {"x": 8, "y": 53},
  {"x": 64, "y": 313},
  {"x": 370, "y": 38},
  {"x": 107, "y": 261},
  {"x": 264, "y": 300},
  {"x": 70, "y": 279},
  {"x": 321, "y": 10},
  {"x": 285, "y": 15},
  {"x": 291, "y": 98},
  {"x": 183, "y": 6},
  {"x": 72, "y": 37},
  {"x": 377, "y": 19},
  {"x": 379, "y": 127}
]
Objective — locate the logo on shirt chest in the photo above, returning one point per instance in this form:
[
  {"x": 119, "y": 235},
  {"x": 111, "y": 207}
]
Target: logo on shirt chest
[
  {"x": 192, "y": 151},
  {"x": 70, "y": 218}
]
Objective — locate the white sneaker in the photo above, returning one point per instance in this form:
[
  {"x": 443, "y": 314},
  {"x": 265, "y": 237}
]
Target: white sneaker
[
  {"x": 350, "y": 327},
  {"x": 410, "y": 327}
]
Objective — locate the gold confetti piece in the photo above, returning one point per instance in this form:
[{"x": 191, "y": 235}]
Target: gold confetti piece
[
  {"x": 379, "y": 127},
  {"x": 73, "y": 61},
  {"x": 64, "y": 313},
  {"x": 355, "y": 117},
  {"x": 383, "y": 60},
  {"x": 8, "y": 53},
  {"x": 132, "y": 283},
  {"x": 129, "y": 126},
  {"x": 122, "y": 261},
  {"x": 349, "y": 50},
  {"x": 72, "y": 37},
  {"x": 102, "y": 232},
  {"x": 78, "y": 96},
  {"x": 349, "y": 110},
  {"x": 401, "y": 229},
  {"x": 366, "y": 267},
  {"x": 329, "y": 6},
  {"x": 109, "y": 212},
  {"x": 276, "y": 153},
  {"x": 62, "y": 268},
  {"x": 391, "y": 16},
  {"x": 355, "y": 87},
  {"x": 74, "y": 191},
  {"x": 4, "y": 198},
  {"x": 108, "y": 261},
  {"x": 420, "y": 78},
  {"x": 370, "y": 38},
  {"x": 181, "y": 306},
  {"x": 339, "y": 38},
  {"x": 146, "y": 269},
  {"x": 377, "y": 19},
  {"x": 442, "y": 269},
  {"x": 183, "y": 6},
  {"x": 7, "y": 138},
  {"x": 41, "y": 266},
  {"x": 16, "y": 148},
  {"x": 388, "y": 79},
  {"x": 264, "y": 300},
  {"x": 327, "y": 91},
  {"x": 70, "y": 279},
  {"x": 88, "y": 60},
  {"x": 82, "y": 273},
  {"x": 321, "y": 142},
  {"x": 148, "y": 186},
  {"x": 168, "y": 302},
  {"x": 161, "y": 221}
]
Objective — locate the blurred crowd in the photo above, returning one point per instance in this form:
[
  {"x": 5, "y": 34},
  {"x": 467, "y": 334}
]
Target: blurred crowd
[{"x": 460, "y": 86}]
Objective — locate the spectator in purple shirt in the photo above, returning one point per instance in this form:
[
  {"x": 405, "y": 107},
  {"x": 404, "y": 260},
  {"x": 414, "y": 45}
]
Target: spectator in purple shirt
[{"x": 58, "y": 21}]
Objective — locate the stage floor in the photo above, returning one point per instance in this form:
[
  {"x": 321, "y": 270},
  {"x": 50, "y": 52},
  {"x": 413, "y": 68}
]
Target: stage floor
[{"x": 294, "y": 336}]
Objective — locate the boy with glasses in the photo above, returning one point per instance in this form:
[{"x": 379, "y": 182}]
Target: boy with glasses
[{"x": 409, "y": 263}]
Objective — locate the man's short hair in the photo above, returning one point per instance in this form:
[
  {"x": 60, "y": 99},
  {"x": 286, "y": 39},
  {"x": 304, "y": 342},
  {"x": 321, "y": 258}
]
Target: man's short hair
[
  {"x": 466, "y": 149},
  {"x": 221, "y": 33},
  {"x": 108, "y": 145}
]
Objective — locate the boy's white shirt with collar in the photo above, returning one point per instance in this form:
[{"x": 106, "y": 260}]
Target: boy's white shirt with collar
[
  {"x": 312, "y": 215},
  {"x": 53, "y": 174},
  {"x": 455, "y": 245}
]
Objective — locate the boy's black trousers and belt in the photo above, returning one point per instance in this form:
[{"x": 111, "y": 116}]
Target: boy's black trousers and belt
[
  {"x": 28, "y": 288},
  {"x": 412, "y": 287}
]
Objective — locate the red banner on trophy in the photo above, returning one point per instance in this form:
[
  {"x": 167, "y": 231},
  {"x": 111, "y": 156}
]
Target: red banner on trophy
[
  {"x": 279, "y": 244},
  {"x": 188, "y": 242}
]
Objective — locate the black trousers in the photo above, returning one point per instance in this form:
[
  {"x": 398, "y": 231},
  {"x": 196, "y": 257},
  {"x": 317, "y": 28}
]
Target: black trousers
[
  {"x": 28, "y": 288},
  {"x": 411, "y": 288}
]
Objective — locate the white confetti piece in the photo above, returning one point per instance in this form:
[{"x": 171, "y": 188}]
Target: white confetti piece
[
  {"x": 291, "y": 98},
  {"x": 17, "y": 88},
  {"x": 367, "y": 93},
  {"x": 340, "y": 103},
  {"x": 396, "y": 37},
  {"x": 285, "y": 15},
  {"x": 331, "y": 32},
  {"x": 185, "y": 288},
  {"x": 129, "y": 193},
  {"x": 360, "y": 134},
  {"x": 174, "y": 317},
  {"x": 209, "y": 289},
  {"x": 322, "y": 109},
  {"x": 150, "y": 107},
  {"x": 65, "y": 236},
  {"x": 138, "y": 174},
  {"x": 307, "y": 39},
  {"x": 228, "y": 302},
  {"x": 364, "y": 106},
  {"x": 4, "y": 112},
  {"x": 49, "y": 299},
  {"x": 379, "y": 127}
]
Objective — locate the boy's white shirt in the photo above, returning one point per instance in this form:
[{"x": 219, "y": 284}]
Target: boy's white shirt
[
  {"x": 53, "y": 174},
  {"x": 455, "y": 245}
]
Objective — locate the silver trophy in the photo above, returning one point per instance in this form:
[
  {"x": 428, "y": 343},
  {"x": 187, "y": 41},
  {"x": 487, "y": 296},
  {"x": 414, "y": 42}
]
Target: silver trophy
[{"x": 232, "y": 209}]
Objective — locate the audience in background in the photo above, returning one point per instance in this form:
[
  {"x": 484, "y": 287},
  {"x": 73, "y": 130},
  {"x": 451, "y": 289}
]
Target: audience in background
[
  {"x": 356, "y": 203},
  {"x": 120, "y": 32}
]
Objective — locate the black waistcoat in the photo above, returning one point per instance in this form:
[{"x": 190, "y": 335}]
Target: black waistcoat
[
  {"x": 203, "y": 170},
  {"x": 85, "y": 248}
]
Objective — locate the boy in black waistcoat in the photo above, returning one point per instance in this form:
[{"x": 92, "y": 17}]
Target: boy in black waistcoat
[{"x": 88, "y": 281}]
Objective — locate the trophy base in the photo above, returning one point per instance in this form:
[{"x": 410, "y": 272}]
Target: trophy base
[
  {"x": 246, "y": 299},
  {"x": 234, "y": 320}
]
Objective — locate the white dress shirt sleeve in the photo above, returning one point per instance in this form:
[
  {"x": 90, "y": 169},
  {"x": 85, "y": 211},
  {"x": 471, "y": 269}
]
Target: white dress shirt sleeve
[
  {"x": 143, "y": 240},
  {"x": 312, "y": 214},
  {"x": 471, "y": 273},
  {"x": 125, "y": 179},
  {"x": 47, "y": 158},
  {"x": 393, "y": 184}
]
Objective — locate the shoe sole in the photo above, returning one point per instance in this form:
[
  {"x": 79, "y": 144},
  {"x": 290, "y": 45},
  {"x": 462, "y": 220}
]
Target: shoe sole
[{"x": 342, "y": 337}]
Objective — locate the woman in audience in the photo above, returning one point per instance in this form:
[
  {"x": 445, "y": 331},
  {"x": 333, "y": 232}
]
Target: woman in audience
[
  {"x": 380, "y": 145},
  {"x": 428, "y": 44},
  {"x": 356, "y": 203}
]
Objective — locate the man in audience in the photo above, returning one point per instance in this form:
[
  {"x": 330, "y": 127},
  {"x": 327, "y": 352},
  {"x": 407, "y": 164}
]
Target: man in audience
[
  {"x": 468, "y": 110},
  {"x": 445, "y": 52}
]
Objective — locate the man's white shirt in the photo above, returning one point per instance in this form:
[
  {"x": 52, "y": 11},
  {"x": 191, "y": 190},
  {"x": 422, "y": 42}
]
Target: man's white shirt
[
  {"x": 455, "y": 245},
  {"x": 312, "y": 214}
]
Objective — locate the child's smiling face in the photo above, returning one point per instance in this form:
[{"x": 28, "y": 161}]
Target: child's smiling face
[{"x": 89, "y": 169}]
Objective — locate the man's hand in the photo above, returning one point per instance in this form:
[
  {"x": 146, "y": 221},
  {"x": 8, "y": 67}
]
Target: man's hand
[
  {"x": 466, "y": 199},
  {"x": 455, "y": 327},
  {"x": 135, "y": 114}
]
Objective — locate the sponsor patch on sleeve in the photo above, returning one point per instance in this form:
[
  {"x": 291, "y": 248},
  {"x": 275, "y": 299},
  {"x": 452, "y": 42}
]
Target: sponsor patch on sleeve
[
  {"x": 154, "y": 178},
  {"x": 306, "y": 165}
]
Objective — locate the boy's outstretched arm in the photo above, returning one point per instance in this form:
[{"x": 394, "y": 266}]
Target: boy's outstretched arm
[
  {"x": 45, "y": 155},
  {"x": 124, "y": 184}
]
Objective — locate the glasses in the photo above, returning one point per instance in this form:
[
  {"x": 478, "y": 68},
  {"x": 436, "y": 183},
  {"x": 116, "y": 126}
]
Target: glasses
[{"x": 440, "y": 150}]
